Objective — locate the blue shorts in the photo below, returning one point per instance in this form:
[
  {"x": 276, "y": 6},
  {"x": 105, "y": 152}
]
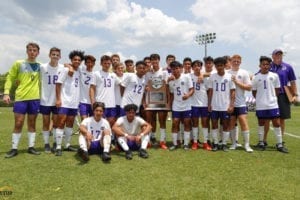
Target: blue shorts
[
  {"x": 47, "y": 110},
  {"x": 110, "y": 112},
  {"x": 30, "y": 107},
  {"x": 95, "y": 147},
  {"x": 118, "y": 111},
  {"x": 200, "y": 112},
  {"x": 268, "y": 114},
  {"x": 133, "y": 145},
  {"x": 240, "y": 111},
  {"x": 85, "y": 109},
  {"x": 67, "y": 111},
  {"x": 122, "y": 112},
  {"x": 181, "y": 114},
  {"x": 219, "y": 115}
]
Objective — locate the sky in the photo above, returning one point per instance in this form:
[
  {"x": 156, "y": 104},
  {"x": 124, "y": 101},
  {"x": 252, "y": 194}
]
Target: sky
[{"x": 136, "y": 28}]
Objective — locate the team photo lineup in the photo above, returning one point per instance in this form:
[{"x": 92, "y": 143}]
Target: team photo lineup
[{"x": 120, "y": 106}]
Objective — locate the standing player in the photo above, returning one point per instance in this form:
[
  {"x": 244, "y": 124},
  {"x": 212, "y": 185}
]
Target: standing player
[
  {"x": 120, "y": 74},
  {"x": 241, "y": 78},
  {"x": 181, "y": 89},
  {"x": 132, "y": 132},
  {"x": 221, "y": 96},
  {"x": 265, "y": 88},
  {"x": 27, "y": 73},
  {"x": 49, "y": 76},
  {"x": 199, "y": 106},
  {"x": 67, "y": 100},
  {"x": 95, "y": 135},
  {"x": 129, "y": 66}
]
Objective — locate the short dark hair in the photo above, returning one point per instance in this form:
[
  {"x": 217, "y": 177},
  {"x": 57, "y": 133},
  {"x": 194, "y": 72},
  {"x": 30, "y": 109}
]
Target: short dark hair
[
  {"x": 54, "y": 49},
  {"x": 208, "y": 58},
  {"x": 33, "y": 44},
  {"x": 154, "y": 56},
  {"x": 128, "y": 61},
  {"x": 146, "y": 58},
  {"x": 170, "y": 56},
  {"x": 140, "y": 62},
  {"x": 199, "y": 62},
  {"x": 105, "y": 57},
  {"x": 220, "y": 60},
  {"x": 98, "y": 104},
  {"x": 265, "y": 58},
  {"x": 129, "y": 107},
  {"x": 187, "y": 59},
  {"x": 174, "y": 64},
  {"x": 76, "y": 53},
  {"x": 89, "y": 57}
]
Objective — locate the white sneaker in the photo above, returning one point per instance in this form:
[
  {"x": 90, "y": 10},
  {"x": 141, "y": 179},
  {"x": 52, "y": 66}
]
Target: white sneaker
[
  {"x": 232, "y": 147},
  {"x": 248, "y": 149},
  {"x": 238, "y": 144}
]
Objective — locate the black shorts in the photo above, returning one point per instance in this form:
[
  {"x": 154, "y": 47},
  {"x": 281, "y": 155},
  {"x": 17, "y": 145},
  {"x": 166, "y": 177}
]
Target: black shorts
[{"x": 284, "y": 106}]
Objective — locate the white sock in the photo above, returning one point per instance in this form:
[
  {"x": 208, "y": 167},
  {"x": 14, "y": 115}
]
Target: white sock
[
  {"x": 246, "y": 135},
  {"x": 225, "y": 137},
  {"x": 233, "y": 136},
  {"x": 205, "y": 134},
  {"x": 214, "y": 134},
  {"x": 220, "y": 131},
  {"x": 46, "y": 135},
  {"x": 277, "y": 132},
  {"x": 82, "y": 142},
  {"x": 236, "y": 133},
  {"x": 187, "y": 138},
  {"x": 174, "y": 137},
  {"x": 15, "y": 140},
  {"x": 123, "y": 143},
  {"x": 195, "y": 133},
  {"x": 261, "y": 130},
  {"x": 54, "y": 134},
  {"x": 68, "y": 135},
  {"x": 179, "y": 136},
  {"x": 162, "y": 134},
  {"x": 59, "y": 137},
  {"x": 145, "y": 141},
  {"x": 31, "y": 139},
  {"x": 106, "y": 143}
]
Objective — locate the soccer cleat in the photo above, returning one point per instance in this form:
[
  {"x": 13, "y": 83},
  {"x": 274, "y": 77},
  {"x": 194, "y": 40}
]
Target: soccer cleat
[
  {"x": 206, "y": 146},
  {"x": 33, "y": 151},
  {"x": 281, "y": 148},
  {"x": 58, "y": 152},
  {"x": 11, "y": 153},
  {"x": 215, "y": 147},
  {"x": 260, "y": 145},
  {"x": 163, "y": 145},
  {"x": 224, "y": 148},
  {"x": 153, "y": 140},
  {"x": 84, "y": 155},
  {"x": 195, "y": 145},
  {"x": 179, "y": 142},
  {"x": 186, "y": 147},
  {"x": 143, "y": 153},
  {"x": 238, "y": 144},
  {"x": 53, "y": 149},
  {"x": 265, "y": 143},
  {"x": 106, "y": 157},
  {"x": 128, "y": 155},
  {"x": 233, "y": 147},
  {"x": 173, "y": 147},
  {"x": 248, "y": 149},
  {"x": 70, "y": 148},
  {"x": 47, "y": 148}
]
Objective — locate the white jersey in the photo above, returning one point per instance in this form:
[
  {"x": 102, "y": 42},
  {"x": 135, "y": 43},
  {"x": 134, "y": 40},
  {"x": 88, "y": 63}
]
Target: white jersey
[
  {"x": 178, "y": 88},
  {"x": 221, "y": 86},
  {"x": 85, "y": 81},
  {"x": 105, "y": 83},
  {"x": 134, "y": 90},
  {"x": 132, "y": 128},
  {"x": 96, "y": 128},
  {"x": 49, "y": 76},
  {"x": 241, "y": 76},
  {"x": 70, "y": 88},
  {"x": 159, "y": 74},
  {"x": 199, "y": 98},
  {"x": 264, "y": 85}
]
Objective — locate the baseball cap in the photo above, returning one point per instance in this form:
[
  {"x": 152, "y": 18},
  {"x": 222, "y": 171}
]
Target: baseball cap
[{"x": 277, "y": 51}]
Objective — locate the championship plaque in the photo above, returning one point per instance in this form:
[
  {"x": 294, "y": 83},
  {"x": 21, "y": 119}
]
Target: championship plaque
[{"x": 156, "y": 95}]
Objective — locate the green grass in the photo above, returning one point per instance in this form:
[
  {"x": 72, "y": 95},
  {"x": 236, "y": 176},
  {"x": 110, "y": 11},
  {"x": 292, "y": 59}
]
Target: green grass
[{"x": 165, "y": 175}]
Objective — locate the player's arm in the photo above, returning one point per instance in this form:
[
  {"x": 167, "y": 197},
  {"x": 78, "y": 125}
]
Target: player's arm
[
  {"x": 232, "y": 99},
  {"x": 254, "y": 93},
  {"x": 122, "y": 89},
  {"x": 92, "y": 93},
  {"x": 84, "y": 131},
  {"x": 209, "y": 98},
  {"x": 118, "y": 130},
  {"x": 189, "y": 94},
  {"x": 10, "y": 80},
  {"x": 58, "y": 94},
  {"x": 240, "y": 84},
  {"x": 145, "y": 129}
]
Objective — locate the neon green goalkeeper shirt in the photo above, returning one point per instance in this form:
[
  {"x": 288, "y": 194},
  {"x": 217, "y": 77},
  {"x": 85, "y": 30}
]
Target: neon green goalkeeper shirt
[{"x": 27, "y": 76}]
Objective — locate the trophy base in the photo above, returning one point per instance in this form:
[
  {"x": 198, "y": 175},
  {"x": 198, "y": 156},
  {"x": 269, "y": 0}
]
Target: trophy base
[{"x": 157, "y": 107}]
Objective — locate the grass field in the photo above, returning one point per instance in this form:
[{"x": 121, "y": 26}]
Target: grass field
[{"x": 164, "y": 175}]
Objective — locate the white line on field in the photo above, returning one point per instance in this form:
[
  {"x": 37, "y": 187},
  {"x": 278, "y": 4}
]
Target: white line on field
[{"x": 289, "y": 134}]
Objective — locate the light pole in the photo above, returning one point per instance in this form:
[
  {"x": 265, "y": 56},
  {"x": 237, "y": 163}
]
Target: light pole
[{"x": 204, "y": 39}]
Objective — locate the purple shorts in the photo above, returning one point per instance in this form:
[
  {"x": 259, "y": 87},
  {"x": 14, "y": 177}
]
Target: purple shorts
[
  {"x": 181, "y": 114},
  {"x": 47, "y": 110},
  {"x": 219, "y": 115},
  {"x": 85, "y": 109},
  {"x": 240, "y": 111},
  {"x": 118, "y": 111},
  {"x": 200, "y": 112},
  {"x": 133, "y": 145},
  {"x": 268, "y": 114},
  {"x": 67, "y": 111},
  {"x": 30, "y": 107},
  {"x": 110, "y": 112},
  {"x": 95, "y": 148}
]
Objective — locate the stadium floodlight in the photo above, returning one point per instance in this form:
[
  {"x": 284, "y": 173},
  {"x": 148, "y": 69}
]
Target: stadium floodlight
[{"x": 204, "y": 39}]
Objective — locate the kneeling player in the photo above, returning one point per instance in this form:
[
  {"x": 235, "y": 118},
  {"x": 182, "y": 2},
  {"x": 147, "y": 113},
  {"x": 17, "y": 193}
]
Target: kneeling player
[
  {"x": 132, "y": 132},
  {"x": 95, "y": 134}
]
